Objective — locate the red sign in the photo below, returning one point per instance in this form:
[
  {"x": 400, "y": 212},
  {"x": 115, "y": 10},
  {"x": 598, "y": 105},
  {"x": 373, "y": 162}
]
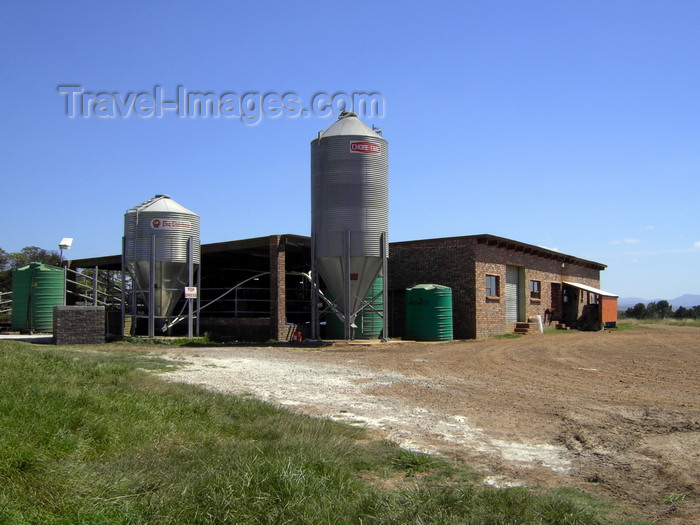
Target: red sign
[
  {"x": 190, "y": 292},
  {"x": 365, "y": 147}
]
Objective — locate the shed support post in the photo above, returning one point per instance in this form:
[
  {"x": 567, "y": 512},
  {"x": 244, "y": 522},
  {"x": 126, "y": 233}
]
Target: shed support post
[
  {"x": 385, "y": 286},
  {"x": 190, "y": 280},
  {"x": 152, "y": 289},
  {"x": 124, "y": 296}
]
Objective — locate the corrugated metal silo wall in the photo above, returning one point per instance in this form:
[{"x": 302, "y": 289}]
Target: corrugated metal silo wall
[{"x": 349, "y": 191}]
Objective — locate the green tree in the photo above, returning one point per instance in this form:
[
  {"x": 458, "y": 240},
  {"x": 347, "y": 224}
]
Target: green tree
[
  {"x": 682, "y": 313},
  {"x": 663, "y": 309},
  {"x": 28, "y": 254},
  {"x": 34, "y": 254},
  {"x": 651, "y": 310},
  {"x": 638, "y": 311}
]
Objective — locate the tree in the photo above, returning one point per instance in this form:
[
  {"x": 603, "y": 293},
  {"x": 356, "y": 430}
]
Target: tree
[
  {"x": 638, "y": 311},
  {"x": 663, "y": 309},
  {"x": 34, "y": 254},
  {"x": 28, "y": 254},
  {"x": 682, "y": 313}
]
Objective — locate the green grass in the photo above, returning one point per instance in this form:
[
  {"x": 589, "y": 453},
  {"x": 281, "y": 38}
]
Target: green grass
[
  {"x": 93, "y": 436},
  {"x": 559, "y": 332},
  {"x": 675, "y": 497},
  {"x": 640, "y": 323}
]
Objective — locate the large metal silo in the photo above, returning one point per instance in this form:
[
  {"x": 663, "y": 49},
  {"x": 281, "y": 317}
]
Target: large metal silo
[
  {"x": 161, "y": 251},
  {"x": 349, "y": 211}
]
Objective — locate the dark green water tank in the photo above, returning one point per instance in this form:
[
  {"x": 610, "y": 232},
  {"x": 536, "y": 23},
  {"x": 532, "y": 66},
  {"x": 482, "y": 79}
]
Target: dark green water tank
[
  {"x": 36, "y": 289},
  {"x": 429, "y": 313},
  {"x": 369, "y": 322}
]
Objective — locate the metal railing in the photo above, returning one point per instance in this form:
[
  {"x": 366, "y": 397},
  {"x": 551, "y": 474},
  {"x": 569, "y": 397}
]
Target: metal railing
[
  {"x": 94, "y": 287},
  {"x": 5, "y": 303},
  {"x": 254, "y": 296}
]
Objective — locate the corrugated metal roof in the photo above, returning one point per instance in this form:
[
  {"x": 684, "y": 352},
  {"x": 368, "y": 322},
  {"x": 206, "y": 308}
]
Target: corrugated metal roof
[
  {"x": 161, "y": 204},
  {"x": 349, "y": 125},
  {"x": 590, "y": 289}
]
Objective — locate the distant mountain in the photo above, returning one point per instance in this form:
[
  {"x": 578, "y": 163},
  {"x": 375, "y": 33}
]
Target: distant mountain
[
  {"x": 623, "y": 303},
  {"x": 686, "y": 300}
]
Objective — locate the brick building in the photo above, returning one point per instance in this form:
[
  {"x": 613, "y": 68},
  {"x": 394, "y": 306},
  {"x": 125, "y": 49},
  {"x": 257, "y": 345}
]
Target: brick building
[{"x": 495, "y": 282}]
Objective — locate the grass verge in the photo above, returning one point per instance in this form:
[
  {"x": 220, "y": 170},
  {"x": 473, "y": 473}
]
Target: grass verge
[
  {"x": 95, "y": 437},
  {"x": 630, "y": 323}
]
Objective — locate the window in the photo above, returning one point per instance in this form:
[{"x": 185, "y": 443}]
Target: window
[
  {"x": 492, "y": 285},
  {"x": 535, "y": 292}
]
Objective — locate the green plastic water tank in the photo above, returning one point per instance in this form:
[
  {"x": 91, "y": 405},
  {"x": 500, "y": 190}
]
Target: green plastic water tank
[
  {"x": 36, "y": 289},
  {"x": 369, "y": 322},
  {"x": 429, "y": 313}
]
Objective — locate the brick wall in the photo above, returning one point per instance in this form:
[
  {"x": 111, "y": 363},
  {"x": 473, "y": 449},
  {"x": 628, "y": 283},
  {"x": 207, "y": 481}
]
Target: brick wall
[
  {"x": 462, "y": 263},
  {"x": 491, "y": 313},
  {"x": 448, "y": 262},
  {"x": 250, "y": 328},
  {"x": 278, "y": 290},
  {"x": 78, "y": 325},
  {"x": 244, "y": 329}
]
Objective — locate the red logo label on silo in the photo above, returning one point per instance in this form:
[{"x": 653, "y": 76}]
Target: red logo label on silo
[
  {"x": 164, "y": 224},
  {"x": 365, "y": 147}
]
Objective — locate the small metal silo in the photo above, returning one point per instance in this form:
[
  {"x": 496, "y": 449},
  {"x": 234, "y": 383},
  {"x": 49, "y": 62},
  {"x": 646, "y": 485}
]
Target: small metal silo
[
  {"x": 161, "y": 251},
  {"x": 349, "y": 211}
]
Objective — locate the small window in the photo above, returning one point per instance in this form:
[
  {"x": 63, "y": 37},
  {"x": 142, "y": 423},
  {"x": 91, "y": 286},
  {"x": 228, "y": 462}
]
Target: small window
[
  {"x": 492, "y": 285},
  {"x": 535, "y": 292}
]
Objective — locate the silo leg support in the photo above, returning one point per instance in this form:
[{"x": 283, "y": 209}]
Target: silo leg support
[
  {"x": 346, "y": 282},
  {"x": 385, "y": 287}
]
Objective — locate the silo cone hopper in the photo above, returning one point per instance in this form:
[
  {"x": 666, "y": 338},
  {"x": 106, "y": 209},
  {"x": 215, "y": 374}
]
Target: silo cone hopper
[
  {"x": 169, "y": 281},
  {"x": 349, "y": 213},
  {"x": 358, "y": 279}
]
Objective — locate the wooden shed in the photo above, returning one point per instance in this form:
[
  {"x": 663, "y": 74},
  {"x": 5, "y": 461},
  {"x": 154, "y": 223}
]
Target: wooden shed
[{"x": 607, "y": 303}]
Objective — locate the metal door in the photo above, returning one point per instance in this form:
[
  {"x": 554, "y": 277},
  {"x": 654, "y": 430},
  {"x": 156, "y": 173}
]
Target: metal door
[{"x": 512, "y": 294}]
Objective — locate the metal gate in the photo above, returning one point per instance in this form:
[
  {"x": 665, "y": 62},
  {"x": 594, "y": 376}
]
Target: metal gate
[{"x": 512, "y": 294}]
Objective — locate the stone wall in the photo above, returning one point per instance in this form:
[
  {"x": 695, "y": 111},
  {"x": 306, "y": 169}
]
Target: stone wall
[{"x": 78, "y": 325}]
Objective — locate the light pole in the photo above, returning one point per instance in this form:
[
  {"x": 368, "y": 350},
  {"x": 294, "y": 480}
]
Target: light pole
[{"x": 65, "y": 244}]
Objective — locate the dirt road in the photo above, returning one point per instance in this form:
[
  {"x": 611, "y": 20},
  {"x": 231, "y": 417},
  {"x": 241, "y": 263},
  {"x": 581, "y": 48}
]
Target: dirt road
[{"x": 614, "y": 413}]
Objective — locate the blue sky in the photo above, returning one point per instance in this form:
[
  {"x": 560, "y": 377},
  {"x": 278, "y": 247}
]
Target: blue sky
[{"x": 569, "y": 125}]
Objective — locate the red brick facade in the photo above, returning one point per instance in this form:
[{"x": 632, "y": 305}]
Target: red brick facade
[
  {"x": 462, "y": 263},
  {"x": 278, "y": 292}
]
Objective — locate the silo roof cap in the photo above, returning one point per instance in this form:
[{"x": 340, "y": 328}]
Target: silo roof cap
[
  {"x": 348, "y": 124},
  {"x": 160, "y": 204}
]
